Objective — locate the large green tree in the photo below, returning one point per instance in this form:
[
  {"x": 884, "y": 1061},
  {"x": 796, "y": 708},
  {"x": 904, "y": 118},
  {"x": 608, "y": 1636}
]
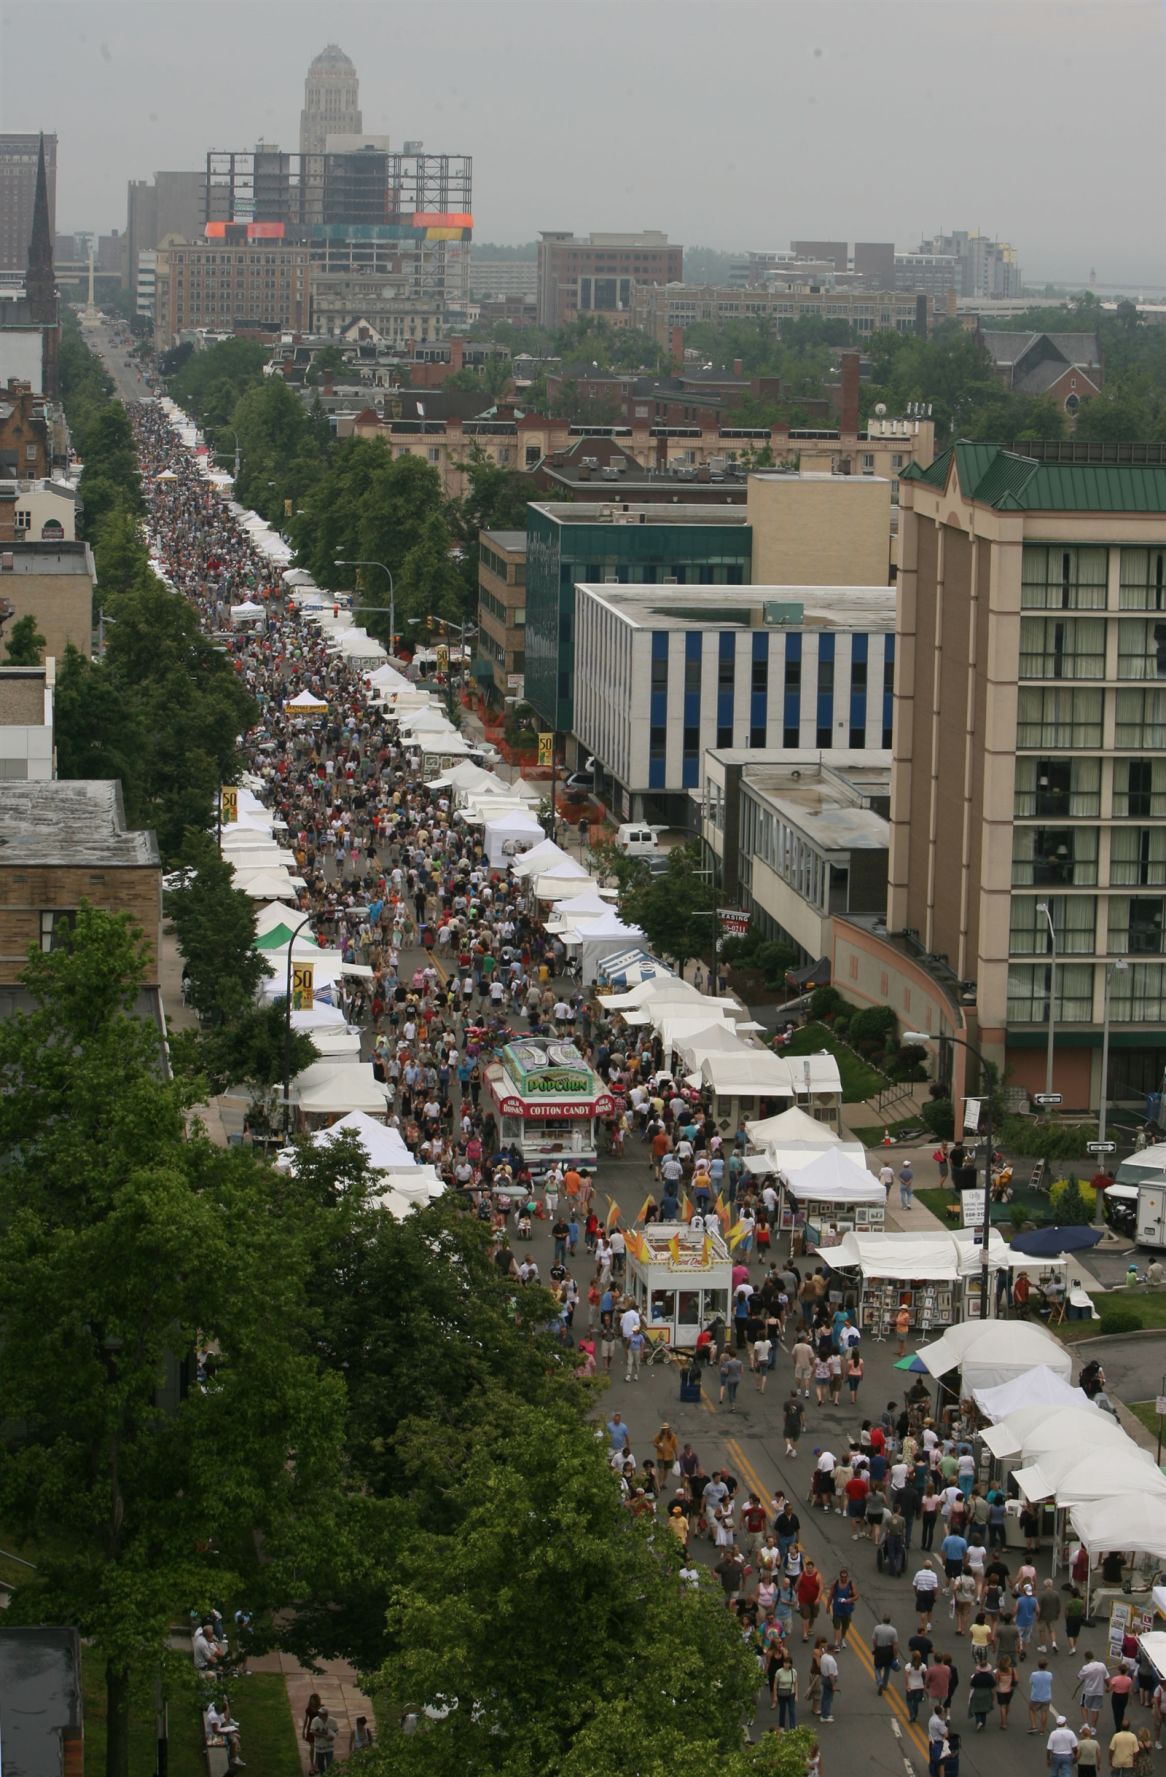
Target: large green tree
[
  {"x": 674, "y": 909},
  {"x": 126, "y": 1243},
  {"x": 215, "y": 926}
]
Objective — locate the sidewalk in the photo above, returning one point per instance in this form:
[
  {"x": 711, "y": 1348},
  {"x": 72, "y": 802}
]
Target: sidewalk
[{"x": 336, "y": 1686}]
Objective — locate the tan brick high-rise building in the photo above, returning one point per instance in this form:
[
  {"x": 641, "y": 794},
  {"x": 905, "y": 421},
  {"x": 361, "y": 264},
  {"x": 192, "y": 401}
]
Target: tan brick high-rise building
[{"x": 1028, "y": 848}]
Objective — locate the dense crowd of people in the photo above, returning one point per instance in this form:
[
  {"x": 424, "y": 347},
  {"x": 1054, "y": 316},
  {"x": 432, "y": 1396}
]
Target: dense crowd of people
[{"x": 459, "y": 963}]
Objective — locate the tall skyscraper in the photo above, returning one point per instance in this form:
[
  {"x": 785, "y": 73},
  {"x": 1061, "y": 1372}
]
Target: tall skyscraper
[
  {"x": 331, "y": 108},
  {"x": 18, "y": 173}
]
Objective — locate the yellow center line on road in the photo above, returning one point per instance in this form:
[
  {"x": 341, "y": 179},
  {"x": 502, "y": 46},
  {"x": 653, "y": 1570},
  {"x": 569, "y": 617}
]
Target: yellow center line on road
[{"x": 898, "y": 1707}]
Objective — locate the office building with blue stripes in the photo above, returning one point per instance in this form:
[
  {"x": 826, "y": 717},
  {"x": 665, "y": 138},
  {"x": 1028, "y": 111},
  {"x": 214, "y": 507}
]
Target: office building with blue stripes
[{"x": 663, "y": 675}]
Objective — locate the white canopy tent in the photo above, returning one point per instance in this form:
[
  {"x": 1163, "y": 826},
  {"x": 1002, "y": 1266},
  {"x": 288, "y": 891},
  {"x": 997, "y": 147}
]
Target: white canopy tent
[
  {"x": 833, "y": 1177},
  {"x": 510, "y": 834},
  {"x": 1075, "y": 1476},
  {"x": 546, "y": 858},
  {"x": 466, "y": 780},
  {"x": 1039, "y": 1387},
  {"x": 247, "y": 612},
  {"x": 900, "y": 1256},
  {"x": 1029, "y": 1431},
  {"x": 746, "y": 1073},
  {"x": 385, "y": 1147},
  {"x": 792, "y": 1125},
  {"x": 335, "y": 1041},
  {"x": 268, "y": 885},
  {"x": 1133, "y": 1522},
  {"x": 993, "y": 1351},
  {"x": 599, "y": 940},
  {"x": 317, "y": 1018},
  {"x": 332, "y": 1089},
  {"x": 306, "y": 703},
  {"x": 562, "y": 883}
]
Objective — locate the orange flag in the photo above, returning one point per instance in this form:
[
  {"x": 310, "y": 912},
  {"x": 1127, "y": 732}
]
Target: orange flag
[
  {"x": 637, "y": 1246},
  {"x": 644, "y": 1206},
  {"x": 674, "y": 1248},
  {"x": 612, "y": 1213},
  {"x": 685, "y": 1209}
]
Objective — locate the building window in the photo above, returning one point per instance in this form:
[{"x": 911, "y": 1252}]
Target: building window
[
  {"x": 1142, "y": 584},
  {"x": 1136, "y": 925},
  {"x": 759, "y": 682},
  {"x": 24, "y": 518},
  {"x": 1141, "y": 719},
  {"x": 1074, "y": 924},
  {"x": 1060, "y": 648},
  {"x": 1141, "y": 650},
  {"x": 724, "y": 734},
  {"x": 56, "y": 928},
  {"x": 1056, "y": 788},
  {"x": 1061, "y": 857},
  {"x": 1139, "y": 788},
  {"x": 1137, "y": 857},
  {"x": 1028, "y": 993},
  {"x": 1048, "y": 718},
  {"x": 1054, "y": 578},
  {"x": 1137, "y": 995},
  {"x": 660, "y": 673},
  {"x": 692, "y": 675}
]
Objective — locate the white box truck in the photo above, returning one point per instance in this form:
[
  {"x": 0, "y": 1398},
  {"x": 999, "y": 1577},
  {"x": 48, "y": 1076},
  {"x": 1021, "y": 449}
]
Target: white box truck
[{"x": 1145, "y": 1172}]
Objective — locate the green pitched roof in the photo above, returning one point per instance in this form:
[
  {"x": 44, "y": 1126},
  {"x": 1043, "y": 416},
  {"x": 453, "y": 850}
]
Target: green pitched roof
[{"x": 1011, "y": 482}]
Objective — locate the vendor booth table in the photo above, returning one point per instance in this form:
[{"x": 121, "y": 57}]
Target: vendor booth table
[
  {"x": 680, "y": 1280},
  {"x": 936, "y": 1277},
  {"x": 833, "y": 1196}
]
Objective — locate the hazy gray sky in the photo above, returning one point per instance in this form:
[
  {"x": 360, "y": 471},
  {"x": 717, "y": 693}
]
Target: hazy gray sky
[{"x": 730, "y": 123}]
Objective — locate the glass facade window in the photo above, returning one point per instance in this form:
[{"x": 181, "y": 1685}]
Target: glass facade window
[
  {"x": 1137, "y": 857},
  {"x": 1050, "y": 718},
  {"x": 1074, "y": 925},
  {"x": 1143, "y": 580},
  {"x": 1056, "y": 578},
  {"x": 1139, "y": 788},
  {"x": 1136, "y": 925},
  {"x": 1137, "y": 995},
  {"x": 1062, "y": 648},
  {"x": 1056, "y": 788},
  {"x": 1062, "y": 857},
  {"x": 1141, "y": 650},
  {"x": 1141, "y": 719},
  {"x": 1028, "y": 992}
]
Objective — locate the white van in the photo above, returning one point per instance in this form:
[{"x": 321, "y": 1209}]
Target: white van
[{"x": 635, "y": 840}]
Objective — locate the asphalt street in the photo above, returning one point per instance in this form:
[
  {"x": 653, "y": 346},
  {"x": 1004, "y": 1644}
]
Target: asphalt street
[
  {"x": 128, "y": 382},
  {"x": 868, "y": 1730}
]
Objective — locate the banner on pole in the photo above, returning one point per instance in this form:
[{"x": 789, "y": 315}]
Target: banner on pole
[
  {"x": 302, "y": 994},
  {"x": 546, "y": 749},
  {"x": 734, "y": 921},
  {"x": 230, "y": 804}
]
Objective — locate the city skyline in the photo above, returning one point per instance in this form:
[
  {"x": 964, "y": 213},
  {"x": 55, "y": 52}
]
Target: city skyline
[{"x": 895, "y": 72}]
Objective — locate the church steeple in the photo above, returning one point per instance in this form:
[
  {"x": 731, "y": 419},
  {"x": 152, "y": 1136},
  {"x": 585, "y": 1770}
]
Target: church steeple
[
  {"x": 41, "y": 275},
  {"x": 40, "y": 280}
]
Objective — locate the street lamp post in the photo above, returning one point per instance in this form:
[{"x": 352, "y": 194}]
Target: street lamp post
[
  {"x": 287, "y": 1012},
  {"x": 392, "y": 591},
  {"x": 1119, "y": 967},
  {"x": 924, "y": 1036},
  {"x": 1043, "y": 907}
]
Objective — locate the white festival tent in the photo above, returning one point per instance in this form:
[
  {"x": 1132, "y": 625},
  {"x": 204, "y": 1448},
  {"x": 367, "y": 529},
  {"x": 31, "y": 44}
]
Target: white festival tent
[
  {"x": 247, "y": 611},
  {"x": 331, "y": 1088},
  {"x": 306, "y": 703},
  {"x": 335, "y": 1041},
  {"x": 590, "y": 904},
  {"x": 1075, "y": 1476},
  {"x": 385, "y": 1147},
  {"x": 277, "y": 913},
  {"x": 833, "y": 1177},
  {"x": 545, "y": 858},
  {"x": 993, "y": 1351},
  {"x": 317, "y": 1018},
  {"x": 1040, "y": 1387},
  {"x": 1130, "y": 1522},
  {"x": 1031, "y": 1431},
  {"x": 566, "y": 880},
  {"x": 748, "y": 1073},
  {"x": 508, "y": 835},
  {"x": 793, "y": 1125},
  {"x": 469, "y": 780},
  {"x": 600, "y": 939},
  {"x": 268, "y": 885}
]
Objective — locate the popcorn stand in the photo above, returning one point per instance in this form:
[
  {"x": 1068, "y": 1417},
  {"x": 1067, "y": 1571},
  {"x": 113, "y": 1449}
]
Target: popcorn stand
[
  {"x": 547, "y": 1102},
  {"x": 680, "y": 1279}
]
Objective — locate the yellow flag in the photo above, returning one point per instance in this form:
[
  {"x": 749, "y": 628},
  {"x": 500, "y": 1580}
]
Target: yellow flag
[
  {"x": 737, "y": 1233},
  {"x": 706, "y": 1252},
  {"x": 721, "y": 1209},
  {"x": 637, "y": 1246},
  {"x": 644, "y": 1207},
  {"x": 685, "y": 1209},
  {"x": 674, "y": 1248},
  {"x": 612, "y": 1213}
]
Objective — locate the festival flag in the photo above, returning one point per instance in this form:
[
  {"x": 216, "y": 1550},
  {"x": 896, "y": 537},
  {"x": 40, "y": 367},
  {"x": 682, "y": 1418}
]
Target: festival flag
[
  {"x": 685, "y": 1208},
  {"x": 737, "y": 1233},
  {"x": 637, "y": 1246},
  {"x": 674, "y": 1249},
  {"x": 722, "y": 1211},
  {"x": 706, "y": 1252},
  {"x": 612, "y": 1213},
  {"x": 645, "y": 1206}
]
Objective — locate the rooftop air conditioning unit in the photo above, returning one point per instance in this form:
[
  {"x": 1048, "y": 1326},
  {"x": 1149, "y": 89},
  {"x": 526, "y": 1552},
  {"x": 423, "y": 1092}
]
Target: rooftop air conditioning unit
[{"x": 670, "y": 580}]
